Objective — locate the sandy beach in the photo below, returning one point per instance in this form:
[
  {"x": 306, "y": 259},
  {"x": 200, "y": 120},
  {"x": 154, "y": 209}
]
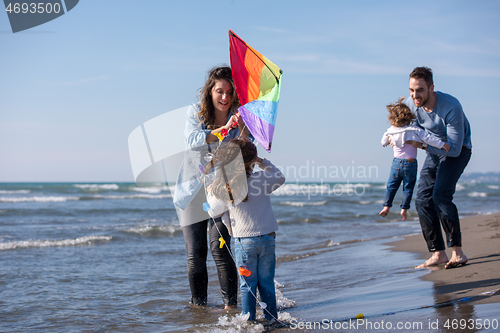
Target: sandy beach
[
  {"x": 437, "y": 300},
  {"x": 481, "y": 244}
]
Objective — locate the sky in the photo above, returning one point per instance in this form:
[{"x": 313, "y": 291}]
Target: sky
[{"x": 73, "y": 89}]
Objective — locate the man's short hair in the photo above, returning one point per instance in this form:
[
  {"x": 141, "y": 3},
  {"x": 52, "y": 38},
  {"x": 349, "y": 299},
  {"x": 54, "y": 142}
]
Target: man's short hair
[{"x": 423, "y": 73}]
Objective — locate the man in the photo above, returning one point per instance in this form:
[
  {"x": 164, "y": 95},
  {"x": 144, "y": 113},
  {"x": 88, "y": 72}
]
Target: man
[{"x": 441, "y": 115}]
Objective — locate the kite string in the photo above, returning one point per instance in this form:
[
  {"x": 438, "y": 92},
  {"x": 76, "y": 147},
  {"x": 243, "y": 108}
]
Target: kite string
[{"x": 241, "y": 132}]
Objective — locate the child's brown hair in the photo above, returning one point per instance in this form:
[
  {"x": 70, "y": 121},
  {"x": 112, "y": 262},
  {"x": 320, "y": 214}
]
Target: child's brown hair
[
  {"x": 226, "y": 180},
  {"x": 400, "y": 114}
]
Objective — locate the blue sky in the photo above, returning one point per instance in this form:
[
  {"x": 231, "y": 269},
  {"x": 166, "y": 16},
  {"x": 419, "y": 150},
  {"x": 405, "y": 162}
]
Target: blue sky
[{"x": 73, "y": 89}]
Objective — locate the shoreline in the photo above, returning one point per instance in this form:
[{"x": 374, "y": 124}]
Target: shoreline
[{"x": 481, "y": 244}]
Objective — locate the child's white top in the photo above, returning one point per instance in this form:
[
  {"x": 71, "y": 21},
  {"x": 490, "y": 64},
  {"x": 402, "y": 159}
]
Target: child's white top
[
  {"x": 399, "y": 135},
  {"x": 255, "y": 216}
]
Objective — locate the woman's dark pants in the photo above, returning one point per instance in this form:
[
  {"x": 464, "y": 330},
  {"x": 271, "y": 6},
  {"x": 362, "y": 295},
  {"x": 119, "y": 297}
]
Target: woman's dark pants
[{"x": 195, "y": 237}]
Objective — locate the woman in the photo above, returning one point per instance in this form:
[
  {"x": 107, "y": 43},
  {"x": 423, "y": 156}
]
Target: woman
[{"x": 215, "y": 113}]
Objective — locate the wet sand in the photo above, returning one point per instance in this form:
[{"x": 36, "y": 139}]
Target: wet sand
[
  {"x": 462, "y": 299},
  {"x": 481, "y": 244}
]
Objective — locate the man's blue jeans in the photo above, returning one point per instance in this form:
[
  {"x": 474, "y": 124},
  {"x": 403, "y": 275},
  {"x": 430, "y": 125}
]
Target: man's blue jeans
[
  {"x": 404, "y": 171},
  {"x": 434, "y": 201},
  {"x": 257, "y": 254}
]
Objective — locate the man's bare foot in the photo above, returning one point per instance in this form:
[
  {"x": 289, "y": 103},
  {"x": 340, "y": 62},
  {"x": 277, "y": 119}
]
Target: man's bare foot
[
  {"x": 384, "y": 211},
  {"x": 403, "y": 214},
  {"x": 437, "y": 258},
  {"x": 458, "y": 258}
]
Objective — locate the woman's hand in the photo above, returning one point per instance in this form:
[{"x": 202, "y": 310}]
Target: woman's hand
[
  {"x": 235, "y": 118},
  {"x": 258, "y": 160},
  {"x": 446, "y": 147}
]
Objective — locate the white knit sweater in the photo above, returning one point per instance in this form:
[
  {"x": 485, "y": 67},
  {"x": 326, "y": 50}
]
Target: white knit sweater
[{"x": 255, "y": 216}]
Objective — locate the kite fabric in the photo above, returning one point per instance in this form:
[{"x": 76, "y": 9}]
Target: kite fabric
[{"x": 258, "y": 83}]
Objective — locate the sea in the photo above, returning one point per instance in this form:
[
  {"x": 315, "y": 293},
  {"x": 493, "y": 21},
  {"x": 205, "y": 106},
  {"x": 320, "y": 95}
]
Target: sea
[{"x": 110, "y": 257}]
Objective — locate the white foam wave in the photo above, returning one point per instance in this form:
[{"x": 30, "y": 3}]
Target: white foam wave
[
  {"x": 14, "y": 191},
  {"x": 478, "y": 194},
  {"x": 151, "y": 190},
  {"x": 237, "y": 323},
  {"x": 303, "y": 203},
  {"x": 494, "y": 187},
  {"x": 86, "y": 240},
  {"x": 332, "y": 243},
  {"x": 38, "y": 199},
  {"x": 97, "y": 187},
  {"x": 321, "y": 189},
  {"x": 459, "y": 187},
  {"x": 240, "y": 323},
  {"x": 281, "y": 301},
  {"x": 133, "y": 196},
  {"x": 364, "y": 202},
  {"x": 170, "y": 229},
  {"x": 62, "y": 199}
]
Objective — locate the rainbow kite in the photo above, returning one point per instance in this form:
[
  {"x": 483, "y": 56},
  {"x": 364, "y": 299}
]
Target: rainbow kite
[{"x": 258, "y": 83}]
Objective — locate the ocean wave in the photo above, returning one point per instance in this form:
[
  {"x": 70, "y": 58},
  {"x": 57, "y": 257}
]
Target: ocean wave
[
  {"x": 86, "y": 240},
  {"x": 38, "y": 199},
  {"x": 494, "y": 187},
  {"x": 478, "y": 194},
  {"x": 152, "y": 230},
  {"x": 332, "y": 243},
  {"x": 93, "y": 197},
  {"x": 97, "y": 187},
  {"x": 151, "y": 190},
  {"x": 14, "y": 191},
  {"x": 459, "y": 187},
  {"x": 302, "y": 203},
  {"x": 321, "y": 189},
  {"x": 239, "y": 323},
  {"x": 133, "y": 196}
]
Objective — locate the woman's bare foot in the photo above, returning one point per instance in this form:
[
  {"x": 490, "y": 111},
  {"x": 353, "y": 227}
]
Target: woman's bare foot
[
  {"x": 437, "y": 258},
  {"x": 384, "y": 211},
  {"x": 403, "y": 214},
  {"x": 229, "y": 307},
  {"x": 458, "y": 258}
]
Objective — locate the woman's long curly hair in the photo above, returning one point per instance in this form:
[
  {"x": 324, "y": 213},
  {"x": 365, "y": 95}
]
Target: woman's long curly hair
[
  {"x": 400, "y": 114},
  {"x": 207, "y": 109},
  {"x": 228, "y": 171}
]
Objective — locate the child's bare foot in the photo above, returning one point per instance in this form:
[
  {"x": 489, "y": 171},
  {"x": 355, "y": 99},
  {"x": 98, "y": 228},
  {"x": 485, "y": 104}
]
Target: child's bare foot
[
  {"x": 384, "y": 211},
  {"x": 403, "y": 214}
]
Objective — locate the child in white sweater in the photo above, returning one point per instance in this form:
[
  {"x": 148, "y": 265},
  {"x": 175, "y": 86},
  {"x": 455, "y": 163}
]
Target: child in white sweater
[
  {"x": 404, "y": 164},
  {"x": 253, "y": 225}
]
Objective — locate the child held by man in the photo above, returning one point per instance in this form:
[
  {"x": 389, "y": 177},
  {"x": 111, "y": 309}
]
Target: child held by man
[{"x": 404, "y": 165}]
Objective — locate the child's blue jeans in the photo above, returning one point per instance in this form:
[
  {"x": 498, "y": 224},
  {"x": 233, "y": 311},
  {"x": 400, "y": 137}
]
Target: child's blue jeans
[
  {"x": 402, "y": 170},
  {"x": 257, "y": 254}
]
